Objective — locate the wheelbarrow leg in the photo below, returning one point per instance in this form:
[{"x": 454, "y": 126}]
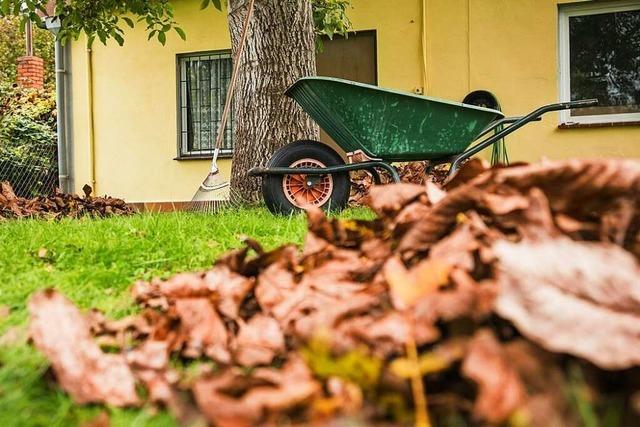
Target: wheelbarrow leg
[
  {"x": 377, "y": 180},
  {"x": 392, "y": 171}
]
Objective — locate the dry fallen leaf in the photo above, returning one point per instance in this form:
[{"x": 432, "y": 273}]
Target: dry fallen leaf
[
  {"x": 230, "y": 287},
  {"x": 201, "y": 331},
  {"x": 390, "y": 199},
  {"x": 62, "y": 334},
  {"x": 259, "y": 341},
  {"x": 231, "y": 399},
  {"x": 500, "y": 389},
  {"x": 409, "y": 286},
  {"x": 572, "y": 297}
]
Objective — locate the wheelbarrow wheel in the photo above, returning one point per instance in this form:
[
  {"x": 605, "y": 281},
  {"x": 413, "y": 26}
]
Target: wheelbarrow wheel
[{"x": 284, "y": 194}]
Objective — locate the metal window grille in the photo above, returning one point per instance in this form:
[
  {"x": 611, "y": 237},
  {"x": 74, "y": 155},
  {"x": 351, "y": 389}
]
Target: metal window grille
[{"x": 203, "y": 82}]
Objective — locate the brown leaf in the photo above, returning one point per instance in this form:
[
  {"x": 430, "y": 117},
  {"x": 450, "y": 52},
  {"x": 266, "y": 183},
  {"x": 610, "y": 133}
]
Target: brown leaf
[
  {"x": 201, "y": 332},
  {"x": 547, "y": 404},
  {"x": 387, "y": 199},
  {"x": 469, "y": 171},
  {"x": 275, "y": 284},
  {"x": 457, "y": 248},
  {"x": 183, "y": 285},
  {"x": 466, "y": 298},
  {"x": 230, "y": 287},
  {"x": 383, "y": 335},
  {"x": 62, "y": 334},
  {"x": 410, "y": 214},
  {"x": 500, "y": 388},
  {"x": 231, "y": 399},
  {"x": 151, "y": 354},
  {"x": 408, "y": 286},
  {"x": 571, "y": 297},
  {"x": 259, "y": 341}
]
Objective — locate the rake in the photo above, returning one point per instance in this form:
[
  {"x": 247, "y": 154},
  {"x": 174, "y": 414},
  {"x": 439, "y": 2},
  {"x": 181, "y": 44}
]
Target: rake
[{"x": 215, "y": 193}]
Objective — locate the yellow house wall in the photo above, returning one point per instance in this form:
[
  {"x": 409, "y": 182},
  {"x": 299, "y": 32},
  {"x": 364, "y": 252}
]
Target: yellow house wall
[{"x": 508, "y": 47}]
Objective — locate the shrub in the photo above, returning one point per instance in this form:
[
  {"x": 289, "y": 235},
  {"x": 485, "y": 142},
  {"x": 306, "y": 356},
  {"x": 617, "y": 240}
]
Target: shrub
[{"x": 28, "y": 155}]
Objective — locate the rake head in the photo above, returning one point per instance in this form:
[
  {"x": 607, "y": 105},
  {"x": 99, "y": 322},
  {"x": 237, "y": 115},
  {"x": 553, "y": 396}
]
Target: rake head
[{"x": 213, "y": 195}]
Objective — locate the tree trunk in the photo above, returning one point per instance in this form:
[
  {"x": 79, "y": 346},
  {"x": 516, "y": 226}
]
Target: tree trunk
[{"x": 280, "y": 49}]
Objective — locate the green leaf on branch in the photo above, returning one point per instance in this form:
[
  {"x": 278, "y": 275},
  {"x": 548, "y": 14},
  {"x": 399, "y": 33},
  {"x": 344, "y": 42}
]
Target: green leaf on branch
[
  {"x": 128, "y": 21},
  {"x": 330, "y": 18},
  {"x": 180, "y": 32}
]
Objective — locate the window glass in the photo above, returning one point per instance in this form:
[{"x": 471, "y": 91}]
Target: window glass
[
  {"x": 203, "y": 84},
  {"x": 604, "y": 52}
]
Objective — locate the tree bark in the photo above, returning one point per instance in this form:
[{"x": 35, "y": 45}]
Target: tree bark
[{"x": 280, "y": 49}]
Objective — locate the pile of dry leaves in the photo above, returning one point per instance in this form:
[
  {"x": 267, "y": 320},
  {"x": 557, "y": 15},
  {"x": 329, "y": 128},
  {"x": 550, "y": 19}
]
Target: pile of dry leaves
[
  {"x": 412, "y": 173},
  {"x": 512, "y": 298},
  {"x": 59, "y": 205}
]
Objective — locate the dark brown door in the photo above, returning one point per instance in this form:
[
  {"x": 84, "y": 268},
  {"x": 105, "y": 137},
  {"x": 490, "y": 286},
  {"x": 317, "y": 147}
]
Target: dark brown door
[{"x": 352, "y": 58}]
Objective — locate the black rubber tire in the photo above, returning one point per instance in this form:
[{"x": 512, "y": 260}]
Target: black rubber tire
[{"x": 273, "y": 193}]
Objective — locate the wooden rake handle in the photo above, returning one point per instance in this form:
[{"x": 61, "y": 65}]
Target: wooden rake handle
[{"x": 234, "y": 79}]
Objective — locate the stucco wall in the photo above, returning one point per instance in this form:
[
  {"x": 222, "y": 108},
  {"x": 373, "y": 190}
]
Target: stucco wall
[
  {"x": 507, "y": 47},
  {"x": 511, "y": 49}
]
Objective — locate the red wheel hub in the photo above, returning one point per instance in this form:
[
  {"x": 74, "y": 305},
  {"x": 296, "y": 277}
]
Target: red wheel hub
[{"x": 305, "y": 191}]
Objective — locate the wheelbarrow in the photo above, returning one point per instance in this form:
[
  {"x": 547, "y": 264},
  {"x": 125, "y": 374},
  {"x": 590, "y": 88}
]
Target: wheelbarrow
[{"x": 377, "y": 127}]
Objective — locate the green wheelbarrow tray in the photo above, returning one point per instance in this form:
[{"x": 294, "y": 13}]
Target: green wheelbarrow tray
[{"x": 390, "y": 126}]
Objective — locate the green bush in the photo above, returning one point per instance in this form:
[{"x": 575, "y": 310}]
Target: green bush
[{"x": 28, "y": 158}]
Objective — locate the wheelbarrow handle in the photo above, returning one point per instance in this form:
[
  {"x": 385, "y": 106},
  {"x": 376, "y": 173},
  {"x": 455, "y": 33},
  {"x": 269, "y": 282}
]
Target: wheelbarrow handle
[
  {"x": 520, "y": 122},
  {"x": 582, "y": 103}
]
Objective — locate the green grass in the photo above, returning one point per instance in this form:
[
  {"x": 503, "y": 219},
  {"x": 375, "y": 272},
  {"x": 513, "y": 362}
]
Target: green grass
[{"x": 94, "y": 262}]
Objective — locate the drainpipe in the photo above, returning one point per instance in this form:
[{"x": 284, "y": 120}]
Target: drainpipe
[
  {"x": 92, "y": 141},
  {"x": 63, "y": 113}
]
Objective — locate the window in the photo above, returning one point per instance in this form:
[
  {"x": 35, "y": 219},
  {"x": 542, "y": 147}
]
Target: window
[
  {"x": 203, "y": 80},
  {"x": 600, "y": 58}
]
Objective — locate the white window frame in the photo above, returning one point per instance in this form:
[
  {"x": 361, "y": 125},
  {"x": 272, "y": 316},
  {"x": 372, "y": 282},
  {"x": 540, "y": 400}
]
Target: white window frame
[{"x": 582, "y": 9}]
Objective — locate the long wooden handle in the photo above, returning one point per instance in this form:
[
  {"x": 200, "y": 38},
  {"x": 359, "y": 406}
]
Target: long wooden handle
[{"x": 234, "y": 77}]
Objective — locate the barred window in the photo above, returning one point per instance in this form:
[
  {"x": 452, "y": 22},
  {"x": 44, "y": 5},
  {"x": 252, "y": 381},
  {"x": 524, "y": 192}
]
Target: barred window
[{"x": 203, "y": 82}]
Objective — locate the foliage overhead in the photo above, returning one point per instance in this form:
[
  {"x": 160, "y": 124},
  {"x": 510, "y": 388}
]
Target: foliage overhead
[
  {"x": 107, "y": 19},
  {"x": 330, "y": 18}
]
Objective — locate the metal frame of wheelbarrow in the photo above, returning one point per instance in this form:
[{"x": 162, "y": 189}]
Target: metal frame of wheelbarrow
[{"x": 512, "y": 124}]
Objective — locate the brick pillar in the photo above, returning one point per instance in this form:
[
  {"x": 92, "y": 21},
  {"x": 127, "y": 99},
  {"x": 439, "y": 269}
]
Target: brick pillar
[{"x": 31, "y": 72}]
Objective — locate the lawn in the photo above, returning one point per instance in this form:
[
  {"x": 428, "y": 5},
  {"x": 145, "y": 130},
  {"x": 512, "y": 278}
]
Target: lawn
[{"x": 94, "y": 262}]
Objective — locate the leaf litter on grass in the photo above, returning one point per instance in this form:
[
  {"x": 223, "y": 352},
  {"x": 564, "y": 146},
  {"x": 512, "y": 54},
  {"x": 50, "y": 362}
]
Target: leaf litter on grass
[
  {"x": 489, "y": 295},
  {"x": 59, "y": 205}
]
